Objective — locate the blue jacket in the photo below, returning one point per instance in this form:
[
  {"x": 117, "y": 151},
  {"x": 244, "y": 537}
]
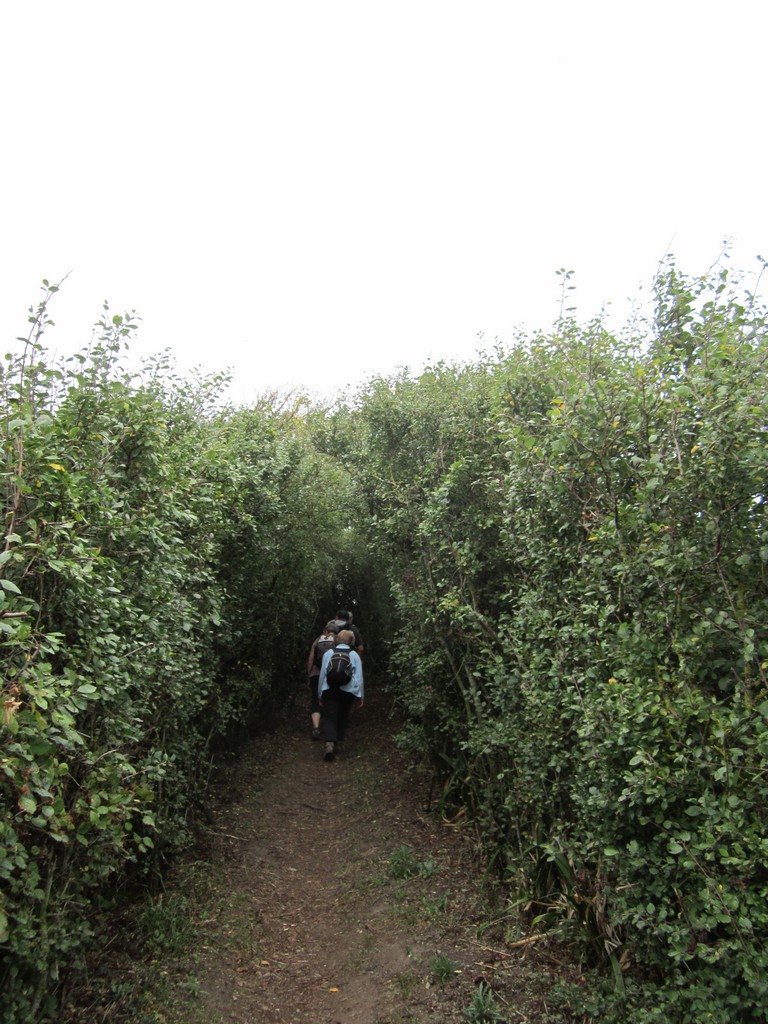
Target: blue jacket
[{"x": 355, "y": 685}]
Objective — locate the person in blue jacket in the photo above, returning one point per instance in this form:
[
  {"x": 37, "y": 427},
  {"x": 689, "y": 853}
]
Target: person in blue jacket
[{"x": 338, "y": 698}]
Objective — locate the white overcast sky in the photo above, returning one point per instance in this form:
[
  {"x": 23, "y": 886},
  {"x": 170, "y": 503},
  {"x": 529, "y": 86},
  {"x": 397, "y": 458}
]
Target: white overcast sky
[{"x": 309, "y": 193}]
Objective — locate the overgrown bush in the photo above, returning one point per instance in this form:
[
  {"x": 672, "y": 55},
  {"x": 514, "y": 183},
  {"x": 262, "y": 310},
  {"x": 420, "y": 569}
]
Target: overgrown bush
[
  {"x": 160, "y": 552},
  {"x": 575, "y": 532}
]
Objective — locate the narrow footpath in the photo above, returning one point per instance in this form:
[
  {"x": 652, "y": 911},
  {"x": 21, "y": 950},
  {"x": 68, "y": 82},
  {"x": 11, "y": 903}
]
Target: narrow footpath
[{"x": 333, "y": 895}]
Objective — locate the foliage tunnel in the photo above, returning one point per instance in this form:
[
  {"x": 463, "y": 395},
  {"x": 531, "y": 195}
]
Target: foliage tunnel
[{"x": 563, "y": 548}]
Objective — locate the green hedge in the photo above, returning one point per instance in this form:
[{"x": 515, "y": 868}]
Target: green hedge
[
  {"x": 161, "y": 559},
  {"x": 575, "y": 533}
]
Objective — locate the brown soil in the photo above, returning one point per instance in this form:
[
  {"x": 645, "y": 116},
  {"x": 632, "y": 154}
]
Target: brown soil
[{"x": 301, "y": 915}]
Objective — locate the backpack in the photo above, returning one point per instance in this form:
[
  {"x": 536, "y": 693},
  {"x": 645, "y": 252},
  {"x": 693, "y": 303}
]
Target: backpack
[
  {"x": 323, "y": 644},
  {"x": 340, "y": 669}
]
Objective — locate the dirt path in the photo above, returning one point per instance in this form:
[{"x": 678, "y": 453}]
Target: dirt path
[{"x": 332, "y": 895}]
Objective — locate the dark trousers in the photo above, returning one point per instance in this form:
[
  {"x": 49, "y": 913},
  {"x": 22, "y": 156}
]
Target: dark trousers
[
  {"x": 314, "y": 703},
  {"x": 337, "y": 705}
]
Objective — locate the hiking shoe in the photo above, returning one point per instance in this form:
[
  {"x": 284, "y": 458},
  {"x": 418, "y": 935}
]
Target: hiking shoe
[
  {"x": 315, "y": 734},
  {"x": 329, "y": 752}
]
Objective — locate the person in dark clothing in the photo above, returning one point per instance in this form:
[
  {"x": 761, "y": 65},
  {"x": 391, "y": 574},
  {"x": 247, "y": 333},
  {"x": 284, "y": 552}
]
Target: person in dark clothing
[
  {"x": 343, "y": 620},
  {"x": 320, "y": 645}
]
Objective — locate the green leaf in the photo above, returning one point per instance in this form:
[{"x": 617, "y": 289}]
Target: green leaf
[{"x": 28, "y": 804}]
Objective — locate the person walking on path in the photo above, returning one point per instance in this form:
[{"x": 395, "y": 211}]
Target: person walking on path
[
  {"x": 323, "y": 643},
  {"x": 343, "y": 620},
  {"x": 339, "y": 691}
]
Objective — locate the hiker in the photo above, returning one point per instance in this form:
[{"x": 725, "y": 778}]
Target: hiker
[
  {"x": 320, "y": 645},
  {"x": 343, "y": 620},
  {"x": 340, "y": 687}
]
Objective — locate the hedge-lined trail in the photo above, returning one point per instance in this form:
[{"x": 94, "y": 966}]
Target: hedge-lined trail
[
  {"x": 559, "y": 553},
  {"x": 304, "y": 917}
]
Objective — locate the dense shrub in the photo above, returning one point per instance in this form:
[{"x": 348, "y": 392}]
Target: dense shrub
[
  {"x": 160, "y": 551},
  {"x": 575, "y": 532}
]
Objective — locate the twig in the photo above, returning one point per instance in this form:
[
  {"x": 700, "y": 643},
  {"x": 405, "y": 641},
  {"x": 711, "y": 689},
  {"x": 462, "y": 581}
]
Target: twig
[
  {"x": 527, "y": 942},
  {"x": 226, "y": 835}
]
